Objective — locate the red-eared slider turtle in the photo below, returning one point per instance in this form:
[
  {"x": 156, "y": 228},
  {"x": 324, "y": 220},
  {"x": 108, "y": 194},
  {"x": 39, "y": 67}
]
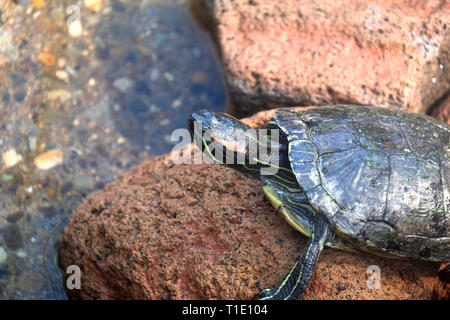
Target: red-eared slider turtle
[{"x": 349, "y": 177}]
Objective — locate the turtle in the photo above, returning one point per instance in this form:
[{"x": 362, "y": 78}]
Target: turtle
[{"x": 349, "y": 177}]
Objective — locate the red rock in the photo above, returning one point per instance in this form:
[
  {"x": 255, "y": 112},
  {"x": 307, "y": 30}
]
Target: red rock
[
  {"x": 166, "y": 231},
  {"x": 442, "y": 110},
  {"x": 389, "y": 53},
  {"x": 442, "y": 283}
]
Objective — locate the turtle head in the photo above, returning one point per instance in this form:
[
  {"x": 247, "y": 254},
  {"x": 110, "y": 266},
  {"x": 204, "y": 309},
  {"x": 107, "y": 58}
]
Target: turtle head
[
  {"x": 228, "y": 140},
  {"x": 214, "y": 132}
]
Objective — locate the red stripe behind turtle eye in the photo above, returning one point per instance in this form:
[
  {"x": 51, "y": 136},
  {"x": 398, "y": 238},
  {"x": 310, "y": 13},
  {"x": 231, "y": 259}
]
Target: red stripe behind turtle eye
[{"x": 232, "y": 145}]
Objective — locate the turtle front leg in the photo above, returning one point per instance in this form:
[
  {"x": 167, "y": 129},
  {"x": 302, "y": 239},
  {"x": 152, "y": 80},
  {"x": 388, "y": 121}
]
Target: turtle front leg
[{"x": 295, "y": 283}]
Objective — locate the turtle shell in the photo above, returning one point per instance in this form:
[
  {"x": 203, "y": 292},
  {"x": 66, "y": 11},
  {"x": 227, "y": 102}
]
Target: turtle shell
[{"x": 379, "y": 176}]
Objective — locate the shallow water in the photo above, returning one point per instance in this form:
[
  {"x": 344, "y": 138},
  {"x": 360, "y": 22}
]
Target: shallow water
[{"x": 104, "y": 102}]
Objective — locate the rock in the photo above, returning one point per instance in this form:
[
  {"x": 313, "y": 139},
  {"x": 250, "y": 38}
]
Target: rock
[
  {"x": 442, "y": 283},
  {"x": 3, "y": 255},
  {"x": 46, "y": 57},
  {"x": 59, "y": 94},
  {"x": 12, "y": 236},
  {"x": 166, "y": 231},
  {"x": 62, "y": 75},
  {"x": 38, "y": 3},
  {"x": 11, "y": 158},
  {"x": 49, "y": 159},
  {"x": 442, "y": 110},
  {"x": 75, "y": 28},
  {"x": 94, "y": 5},
  {"x": 388, "y": 53},
  {"x": 123, "y": 84}
]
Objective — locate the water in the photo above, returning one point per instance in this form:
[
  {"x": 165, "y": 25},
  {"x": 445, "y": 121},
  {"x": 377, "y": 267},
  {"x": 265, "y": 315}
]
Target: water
[{"x": 103, "y": 102}]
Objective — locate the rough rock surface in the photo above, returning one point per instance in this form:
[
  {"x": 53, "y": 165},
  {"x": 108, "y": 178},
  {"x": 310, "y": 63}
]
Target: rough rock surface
[
  {"x": 442, "y": 286},
  {"x": 390, "y": 53},
  {"x": 166, "y": 231},
  {"x": 442, "y": 111}
]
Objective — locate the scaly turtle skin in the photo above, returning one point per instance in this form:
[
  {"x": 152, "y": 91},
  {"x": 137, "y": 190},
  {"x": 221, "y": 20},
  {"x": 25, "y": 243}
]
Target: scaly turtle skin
[{"x": 349, "y": 177}]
